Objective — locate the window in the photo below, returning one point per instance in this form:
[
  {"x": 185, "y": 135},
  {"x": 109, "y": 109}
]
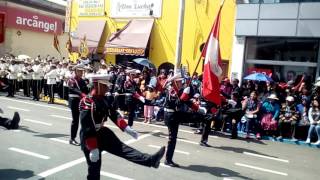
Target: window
[{"x": 282, "y": 49}]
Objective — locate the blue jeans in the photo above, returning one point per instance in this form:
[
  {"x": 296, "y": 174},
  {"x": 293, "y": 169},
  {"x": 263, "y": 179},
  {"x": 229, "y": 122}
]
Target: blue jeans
[{"x": 312, "y": 128}]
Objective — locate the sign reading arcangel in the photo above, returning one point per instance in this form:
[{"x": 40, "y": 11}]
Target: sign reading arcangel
[
  {"x": 136, "y": 8},
  {"x": 22, "y": 19}
]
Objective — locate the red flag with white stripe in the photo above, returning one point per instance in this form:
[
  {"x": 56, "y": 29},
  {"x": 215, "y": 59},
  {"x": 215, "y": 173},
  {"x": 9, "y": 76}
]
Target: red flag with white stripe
[{"x": 212, "y": 68}]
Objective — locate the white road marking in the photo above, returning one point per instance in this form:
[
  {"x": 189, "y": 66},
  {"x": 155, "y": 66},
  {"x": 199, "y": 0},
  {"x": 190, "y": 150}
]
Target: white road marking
[
  {"x": 182, "y": 140},
  {"x": 59, "y": 140},
  {"x": 61, "y": 167},
  {"x": 111, "y": 126},
  {"x": 16, "y": 130},
  {"x": 227, "y": 179},
  {"x": 261, "y": 169},
  {"x": 114, "y": 176},
  {"x": 141, "y": 137},
  {"x": 177, "y": 151},
  {"x": 35, "y": 104},
  {"x": 20, "y": 109},
  {"x": 266, "y": 157},
  {"x": 38, "y": 122},
  {"x": 163, "y": 165},
  {"x": 29, "y": 153},
  {"x": 165, "y": 127},
  {"x": 61, "y": 117},
  {"x": 83, "y": 159}
]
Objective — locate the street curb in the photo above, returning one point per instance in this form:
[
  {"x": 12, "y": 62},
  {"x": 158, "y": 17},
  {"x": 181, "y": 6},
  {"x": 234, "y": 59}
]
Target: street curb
[
  {"x": 56, "y": 101},
  {"x": 284, "y": 140}
]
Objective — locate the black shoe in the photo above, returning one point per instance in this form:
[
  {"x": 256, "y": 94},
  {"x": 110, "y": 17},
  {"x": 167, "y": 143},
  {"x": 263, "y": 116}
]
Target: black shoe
[
  {"x": 171, "y": 164},
  {"x": 234, "y": 137},
  {"x": 15, "y": 121},
  {"x": 205, "y": 144},
  {"x": 158, "y": 156},
  {"x": 74, "y": 142}
]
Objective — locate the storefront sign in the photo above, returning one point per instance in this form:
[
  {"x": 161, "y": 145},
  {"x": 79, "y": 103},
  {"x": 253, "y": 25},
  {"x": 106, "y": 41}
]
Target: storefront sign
[
  {"x": 2, "y": 16},
  {"x": 91, "y": 8},
  {"x": 135, "y": 8},
  {"x": 126, "y": 51},
  {"x": 22, "y": 19}
]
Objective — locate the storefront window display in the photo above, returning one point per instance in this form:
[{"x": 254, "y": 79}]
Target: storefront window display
[{"x": 282, "y": 58}]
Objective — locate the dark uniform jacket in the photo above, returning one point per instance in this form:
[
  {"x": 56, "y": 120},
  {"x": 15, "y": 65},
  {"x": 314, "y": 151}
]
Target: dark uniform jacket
[{"x": 94, "y": 111}]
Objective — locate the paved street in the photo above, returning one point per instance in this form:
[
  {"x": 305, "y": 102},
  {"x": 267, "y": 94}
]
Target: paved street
[{"x": 40, "y": 150}]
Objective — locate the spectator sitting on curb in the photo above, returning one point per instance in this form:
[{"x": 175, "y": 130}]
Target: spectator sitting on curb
[{"x": 288, "y": 116}]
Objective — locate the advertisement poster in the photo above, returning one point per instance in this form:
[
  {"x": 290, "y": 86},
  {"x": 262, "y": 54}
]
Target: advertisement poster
[{"x": 91, "y": 8}]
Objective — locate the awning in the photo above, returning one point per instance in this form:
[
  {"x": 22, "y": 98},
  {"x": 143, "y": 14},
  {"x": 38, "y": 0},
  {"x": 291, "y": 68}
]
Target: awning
[
  {"x": 91, "y": 29},
  {"x": 132, "y": 39}
]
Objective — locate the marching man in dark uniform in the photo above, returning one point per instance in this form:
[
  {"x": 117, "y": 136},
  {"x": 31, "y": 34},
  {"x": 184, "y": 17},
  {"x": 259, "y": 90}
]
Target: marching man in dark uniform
[
  {"x": 130, "y": 88},
  {"x": 95, "y": 137},
  {"x": 180, "y": 109},
  {"x": 77, "y": 90}
]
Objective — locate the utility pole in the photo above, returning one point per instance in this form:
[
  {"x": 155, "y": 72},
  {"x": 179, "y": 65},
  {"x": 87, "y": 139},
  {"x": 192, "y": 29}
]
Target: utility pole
[{"x": 179, "y": 35}]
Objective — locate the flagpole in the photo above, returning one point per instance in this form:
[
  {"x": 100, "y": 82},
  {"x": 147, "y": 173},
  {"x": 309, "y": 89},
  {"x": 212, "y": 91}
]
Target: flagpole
[
  {"x": 205, "y": 46},
  {"x": 179, "y": 35}
]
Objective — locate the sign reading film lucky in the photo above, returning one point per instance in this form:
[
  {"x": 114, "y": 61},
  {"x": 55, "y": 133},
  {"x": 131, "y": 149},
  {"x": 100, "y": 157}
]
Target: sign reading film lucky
[
  {"x": 91, "y": 8},
  {"x": 135, "y": 8},
  {"x": 126, "y": 51}
]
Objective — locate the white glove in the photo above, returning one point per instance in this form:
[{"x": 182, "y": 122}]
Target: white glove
[
  {"x": 94, "y": 155},
  {"x": 131, "y": 132},
  {"x": 202, "y": 110}
]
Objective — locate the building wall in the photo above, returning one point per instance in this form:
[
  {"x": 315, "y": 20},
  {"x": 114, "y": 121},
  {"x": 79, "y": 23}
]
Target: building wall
[
  {"x": 199, "y": 17},
  {"x": 29, "y": 42},
  {"x": 284, "y": 19}
]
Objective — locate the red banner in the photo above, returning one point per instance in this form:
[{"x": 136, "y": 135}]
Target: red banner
[
  {"x": 267, "y": 72},
  {"x": 2, "y": 16},
  {"x": 22, "y": 19}
]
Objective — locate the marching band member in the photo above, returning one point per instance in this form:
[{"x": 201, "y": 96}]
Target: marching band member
[
  {"x": 77, "y": 90},
  {"x": 27, "y": 77},
  {"x": 12, "y": 77},
  {"x": 36, "y": 79},
  {"x": 51, "y": 77},
  {"x": 95, "y": 137}
]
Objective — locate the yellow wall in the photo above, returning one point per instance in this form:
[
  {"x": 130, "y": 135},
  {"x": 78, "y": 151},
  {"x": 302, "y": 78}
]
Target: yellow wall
[{"x": 199, "y": 17}]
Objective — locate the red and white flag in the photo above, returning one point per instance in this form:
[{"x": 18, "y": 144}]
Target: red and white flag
[{"x": 212, "y": 69}]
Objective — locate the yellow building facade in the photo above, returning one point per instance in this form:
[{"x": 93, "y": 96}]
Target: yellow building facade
[{"x": 198, "y": 20}]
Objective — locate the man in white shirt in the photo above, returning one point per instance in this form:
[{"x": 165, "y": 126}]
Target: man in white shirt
[
  {"x": 12, "y": 78},
  {"x": 60, "y": 71},
  {"x": 27, "y": 77},
  {"x": 36, "y": 79},
  {"x": 51, "y": 82}
]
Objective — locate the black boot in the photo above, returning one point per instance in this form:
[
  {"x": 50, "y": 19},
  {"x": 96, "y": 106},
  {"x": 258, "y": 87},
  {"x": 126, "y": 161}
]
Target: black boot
[
  {"x": 171, "y": 164},
  {"x": 74, "y": 142},
  {"x": 158, "y": 156},
  {"x": 15, "y": 121}
]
